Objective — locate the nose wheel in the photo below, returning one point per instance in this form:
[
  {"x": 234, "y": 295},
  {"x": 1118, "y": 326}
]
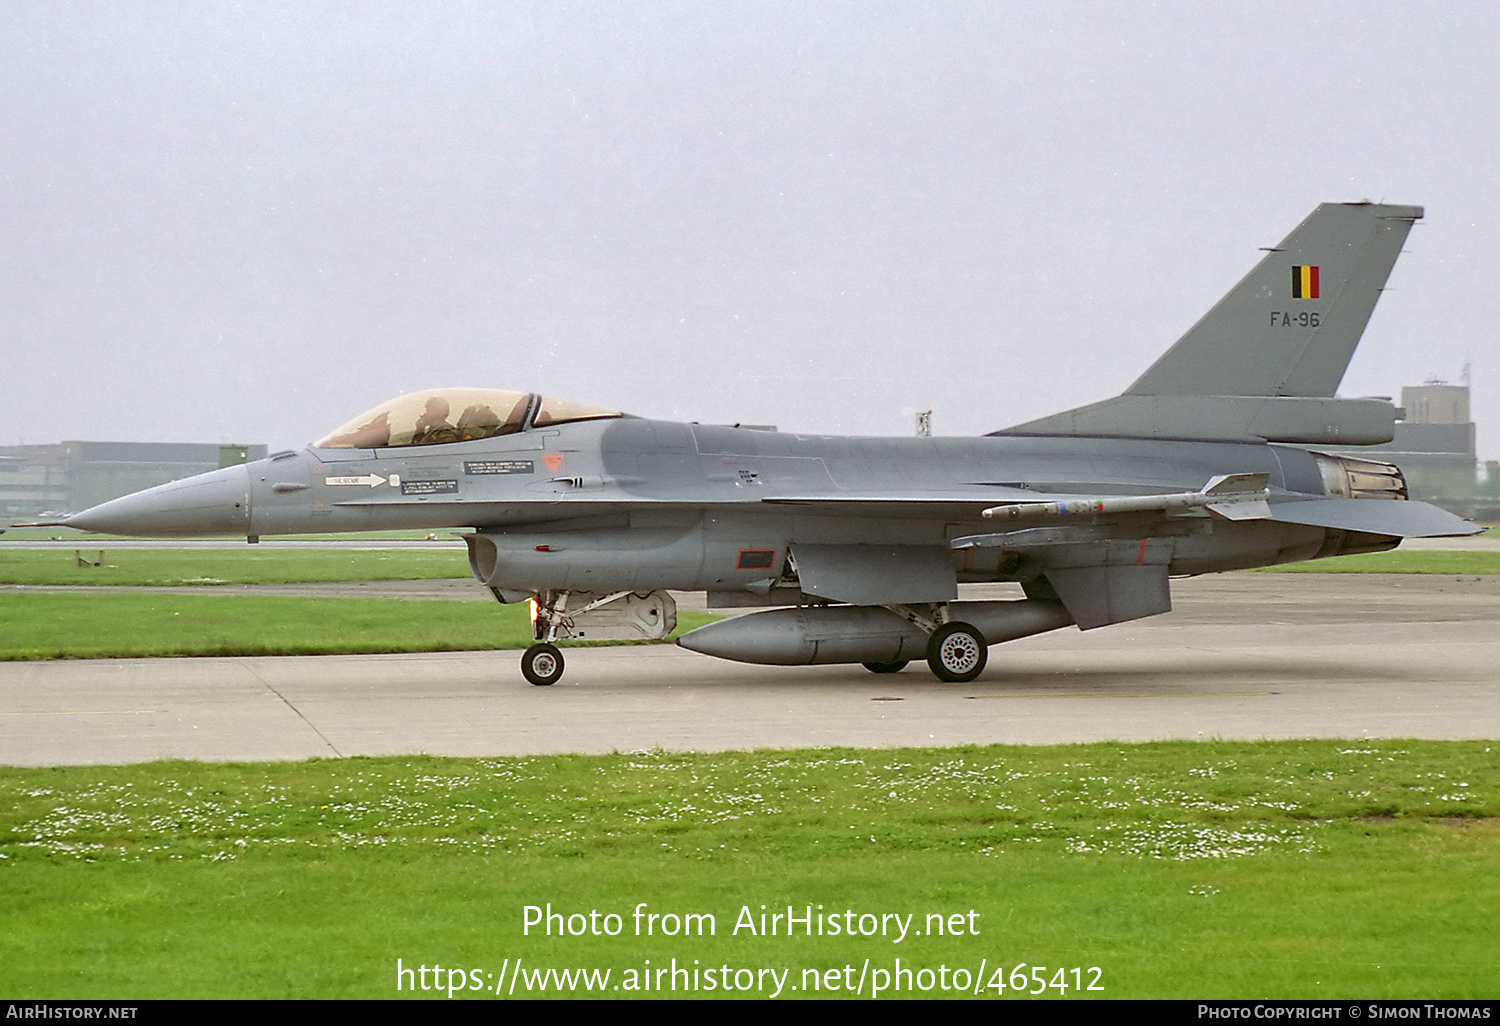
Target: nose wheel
[{"x": 542, "y": 664}]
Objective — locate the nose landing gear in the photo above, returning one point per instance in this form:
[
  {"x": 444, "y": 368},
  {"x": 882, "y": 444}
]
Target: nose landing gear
[
  {"x": 582, "y": 615},
  {"x": 542, "y": 664}
]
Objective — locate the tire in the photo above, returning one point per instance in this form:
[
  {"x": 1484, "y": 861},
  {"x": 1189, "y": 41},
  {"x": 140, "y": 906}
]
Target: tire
[
  {"x": 895, "y": 667},
  {"x": 542, "y": 665},
  {"x": 956, "y": 653}
]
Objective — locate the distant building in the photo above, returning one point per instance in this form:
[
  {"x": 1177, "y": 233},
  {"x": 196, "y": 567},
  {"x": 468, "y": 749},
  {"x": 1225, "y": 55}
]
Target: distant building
[
  {"x": 66, "y": 477},
  {"x": 1486, "y": 508}
]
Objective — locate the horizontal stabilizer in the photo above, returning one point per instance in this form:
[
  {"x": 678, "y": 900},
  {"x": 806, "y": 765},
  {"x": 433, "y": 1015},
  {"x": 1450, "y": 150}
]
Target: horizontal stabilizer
[{"x": 1396, "y": 518}]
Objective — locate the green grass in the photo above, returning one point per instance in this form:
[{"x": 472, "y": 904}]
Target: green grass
[
  {"x": 71, "y": 626},
  {"x": 226, "y": 566},
  {"x": 1417, "y": 561},
  {"x": 292, "y": 566},
  {"x": 69, "y": 534},
  {"x": 1194, "y": 870}
]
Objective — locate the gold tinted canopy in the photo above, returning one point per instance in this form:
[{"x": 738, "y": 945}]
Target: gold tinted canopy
[{"x": 441, "y": 415}]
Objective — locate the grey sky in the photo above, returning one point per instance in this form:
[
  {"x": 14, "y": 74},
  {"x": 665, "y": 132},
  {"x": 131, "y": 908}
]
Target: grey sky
[{"x": 250, "y": 222}]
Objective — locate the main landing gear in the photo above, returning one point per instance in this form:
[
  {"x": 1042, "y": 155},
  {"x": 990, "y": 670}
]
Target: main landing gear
[{"x": 956, "y": 651}]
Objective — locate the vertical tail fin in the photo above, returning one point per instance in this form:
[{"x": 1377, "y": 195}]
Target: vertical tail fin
[
  {"x": 1264, "y": 363},
  {"x": 1291, "y": 326}
]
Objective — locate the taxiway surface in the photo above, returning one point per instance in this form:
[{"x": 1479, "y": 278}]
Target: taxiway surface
[{"x": 1242, "y": 656}]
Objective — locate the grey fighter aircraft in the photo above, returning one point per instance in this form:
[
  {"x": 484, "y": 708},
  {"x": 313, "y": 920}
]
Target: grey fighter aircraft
[{"x": 857, "y": 546}]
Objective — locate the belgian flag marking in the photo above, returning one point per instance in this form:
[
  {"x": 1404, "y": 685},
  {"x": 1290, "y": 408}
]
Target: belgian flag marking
[{"x": 1304, "y": 283}]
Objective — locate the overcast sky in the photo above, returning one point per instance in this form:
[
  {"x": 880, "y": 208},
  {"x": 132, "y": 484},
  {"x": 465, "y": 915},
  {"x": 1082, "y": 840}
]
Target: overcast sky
[{"x": 250, "y": 222}]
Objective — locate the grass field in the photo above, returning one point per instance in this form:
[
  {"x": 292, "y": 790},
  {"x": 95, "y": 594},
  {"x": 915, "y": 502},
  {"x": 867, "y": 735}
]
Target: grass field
[
  {"x": 197, "y": 623},
  {"x": 110, "y": 624},
  {"x": 248, "y": 565},
  {"x": 73, "y": 626},
  {"x": 1207, "y": 869},
  {"x": 1416, "y": 561},
  {"x": 83, "y": 538},
  {"x": 291, "y": 566}
]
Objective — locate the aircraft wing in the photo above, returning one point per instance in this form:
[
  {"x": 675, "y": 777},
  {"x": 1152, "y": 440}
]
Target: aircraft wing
[{"x": 1229, "y": 497}]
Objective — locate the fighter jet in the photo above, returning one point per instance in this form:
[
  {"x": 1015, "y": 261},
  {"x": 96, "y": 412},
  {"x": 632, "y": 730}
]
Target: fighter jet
[{"x": 856, "y": 547}]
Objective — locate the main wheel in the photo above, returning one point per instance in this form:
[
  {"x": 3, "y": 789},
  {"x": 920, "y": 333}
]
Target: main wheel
[
  {"x": 956, "y": 653},
  {"x": 895, "y": 667},
  {"x": 542, "y": 664}
]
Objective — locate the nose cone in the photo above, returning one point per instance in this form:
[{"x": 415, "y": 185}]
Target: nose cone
[{"x": 214, "y": 503}]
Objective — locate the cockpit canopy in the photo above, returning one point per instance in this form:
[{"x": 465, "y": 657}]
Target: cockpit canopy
[{"x": 441, "y": 415}]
